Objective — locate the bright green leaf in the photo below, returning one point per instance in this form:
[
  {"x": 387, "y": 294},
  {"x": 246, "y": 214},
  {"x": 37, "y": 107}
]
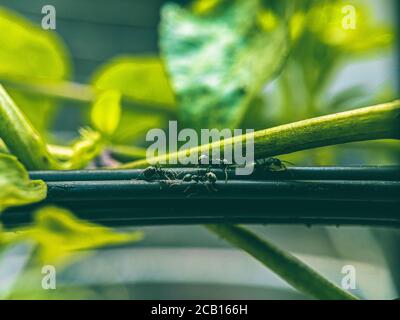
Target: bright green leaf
[
  {"x": 15, "y": 186},
  {"x": 143, "y": 80},
  {"x": 106, "y": 112},
  {"x": 329, "y": 21},
  {"x": 89, "y": 145},
  {"x": 205, "y": 6},
  {"x": 58, "y": 233},
  {"x": 218, "y": 63},
  {"x": 29, "y": 54}
]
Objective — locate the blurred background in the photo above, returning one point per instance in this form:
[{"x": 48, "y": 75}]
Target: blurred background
[{"x": 326, "y": 72}]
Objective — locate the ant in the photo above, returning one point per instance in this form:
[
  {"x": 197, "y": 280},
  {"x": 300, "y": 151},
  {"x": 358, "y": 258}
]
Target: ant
[
  {"x": 207, "y": 179},
  {"x": 221, "y": 163},
  {"x": 157, "y": 173},
  {"x": 272, "y": 164}
]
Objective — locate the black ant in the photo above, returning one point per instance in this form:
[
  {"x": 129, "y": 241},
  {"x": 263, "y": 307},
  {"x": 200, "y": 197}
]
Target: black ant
[
  {"x": 206, "y": 178},
  {"x": 272, "y": 164},
  {"x": 221, "y": 163},
  {"x": 157, "y": 173}
]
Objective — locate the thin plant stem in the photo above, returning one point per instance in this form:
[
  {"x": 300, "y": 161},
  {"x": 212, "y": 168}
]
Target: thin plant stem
[
  {"x": 84, "y": 94},
  {"x": 287, "y": 266}
]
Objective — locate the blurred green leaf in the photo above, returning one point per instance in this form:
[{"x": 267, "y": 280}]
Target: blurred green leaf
[
  {"x": 346, "y": 98},
  {"x": 15, "y": 186},
  {"x": 328, "y": 22},
  {"x": 88, "y": 146},
  {"x": 3, "y": 147},
  {"x": 58, "y": 233},
  {"x": 219, "y": 62},
  {"x": 106, "y": 112},
  {"x": 206, "y": 6},
  {"x": 29, "y": 54},
  {"x": 142, "y": 79}
]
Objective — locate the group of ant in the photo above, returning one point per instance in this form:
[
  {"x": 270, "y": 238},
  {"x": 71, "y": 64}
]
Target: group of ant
[{"x": 205, "y": 177}]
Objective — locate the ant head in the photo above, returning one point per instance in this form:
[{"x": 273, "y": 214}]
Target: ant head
[{"x": 211, "y": 177}]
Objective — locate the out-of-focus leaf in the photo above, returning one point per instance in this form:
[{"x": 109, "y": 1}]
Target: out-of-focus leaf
[
  {"x": 85, "y": 149},
  {"x": 346, "y": 97},
  {"x": 15, "y": 186},
  {"x": 328, "y": 22},
  {"x": 297, "y": 25},
  {"x": 144, "y": 80},
  {"x": 3, "y": 147},
  {"x": 58, "y": 233},
  {"x": 256, "y": 117},
  {"x": 205, "y": 6},
  {"x": 219, "y": 62},
  {"x": 106, "y": 112},
  {"x": 29, "y": 54}
]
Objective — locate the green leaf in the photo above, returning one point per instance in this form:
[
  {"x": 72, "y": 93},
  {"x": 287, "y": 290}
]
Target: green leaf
[
  {"x": 287, "y": 266},
  {"x": 106, "y": 112},
  {"x": 346, "y": 97},
  {"x": 143, "y": 80},
  {"x": 58, "y": 233},
  {"x": 326, "y": 21},
  {"x": 89, "y": 145},
  {"x": 219, "y": 62},
  {"x": 29, "y": 54},
  {"x": 16, "y": 188},
  {"x": 205, "y": 6}
]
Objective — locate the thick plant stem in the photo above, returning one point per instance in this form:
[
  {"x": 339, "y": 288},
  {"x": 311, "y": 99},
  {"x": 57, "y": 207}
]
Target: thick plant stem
[
  {"x": 21, "y": 138},
  {"x": 370, "y": 123},
  {"x": 288, "y": 267}
]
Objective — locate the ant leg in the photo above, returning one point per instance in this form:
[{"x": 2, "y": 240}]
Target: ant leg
[
  {"x": 192, "y": 186},
  {"x": 282, "y": 167},
  {"x": 210, "y": 187}
]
